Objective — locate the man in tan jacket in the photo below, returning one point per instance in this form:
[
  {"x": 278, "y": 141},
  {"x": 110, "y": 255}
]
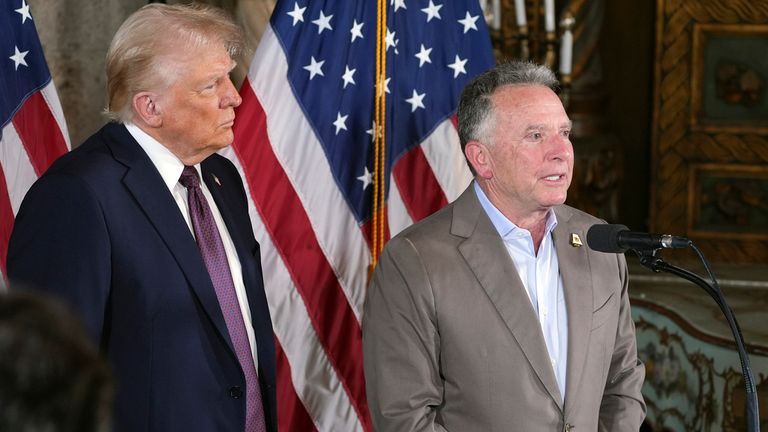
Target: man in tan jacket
[{"x": 493, "y": 314}]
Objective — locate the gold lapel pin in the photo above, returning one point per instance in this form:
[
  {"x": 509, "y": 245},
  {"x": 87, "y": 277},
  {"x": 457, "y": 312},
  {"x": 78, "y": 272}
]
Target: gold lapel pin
[
  {"x": 576, "y": 240},
  {"x": 216, "y": 179}
]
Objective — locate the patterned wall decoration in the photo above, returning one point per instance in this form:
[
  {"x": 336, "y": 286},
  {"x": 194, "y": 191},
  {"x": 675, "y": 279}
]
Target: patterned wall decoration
[
  {"x": 693, "y": 380},
  {"x": 710, "y": 126}
]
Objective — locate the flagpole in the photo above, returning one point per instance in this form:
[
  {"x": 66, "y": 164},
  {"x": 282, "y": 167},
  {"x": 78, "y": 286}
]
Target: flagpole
[{"x": 377, "y": 228}]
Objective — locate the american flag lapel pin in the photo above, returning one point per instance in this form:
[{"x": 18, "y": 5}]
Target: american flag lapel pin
[{"x": 575, "y": 240}]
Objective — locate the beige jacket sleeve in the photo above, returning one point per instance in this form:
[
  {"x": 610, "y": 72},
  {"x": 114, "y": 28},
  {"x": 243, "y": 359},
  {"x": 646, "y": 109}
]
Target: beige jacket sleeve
[
  {"x": 401, "y": 344},
  {"x": 623, "y": 408}
]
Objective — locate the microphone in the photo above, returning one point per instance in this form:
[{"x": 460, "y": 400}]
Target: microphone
[{"x": 615, "y": 238}]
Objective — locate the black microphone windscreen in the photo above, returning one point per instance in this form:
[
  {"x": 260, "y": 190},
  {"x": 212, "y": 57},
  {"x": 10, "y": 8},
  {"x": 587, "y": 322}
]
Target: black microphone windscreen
[{"x": 605, "y": 237}]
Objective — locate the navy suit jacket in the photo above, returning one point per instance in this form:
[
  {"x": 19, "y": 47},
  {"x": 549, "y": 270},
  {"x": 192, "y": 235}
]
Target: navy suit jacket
[{"x": 101, "y": 230}]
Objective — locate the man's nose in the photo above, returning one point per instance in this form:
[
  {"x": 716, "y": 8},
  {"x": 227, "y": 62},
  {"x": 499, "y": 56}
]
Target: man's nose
[
  {"x": 560, "y": 147},
  {"x": 231, "y": 97}
]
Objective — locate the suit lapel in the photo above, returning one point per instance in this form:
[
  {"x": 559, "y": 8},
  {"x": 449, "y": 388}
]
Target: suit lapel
[
  {"x": 213, "y": 179},
  {"x": 224, "y": 190},
  {"x": 146, "y": 185},
  {"x": 482, "y": 250},
  {"x": 577, "y": 287}
]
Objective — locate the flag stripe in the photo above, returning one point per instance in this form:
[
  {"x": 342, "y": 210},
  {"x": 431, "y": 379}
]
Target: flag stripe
[
  {"x": 39, "y": 133},
  {"x": 417, "y": 184},
  {"x": 309, "y": 172},
  {"x": 34, "y": 132},
  {"x": 54, "y": 105},
  {"x": 397, "y": 215},
  {"x": 442, "y": 150},
  {"x": 290, "y": 230},
  {"x": 312, "y": 378},
  {"x": 6, "y": 223},
  {"x": 437, "y": 170},
  {"x": 289, "y": 405},
  {"x": 19, "y": 172}
]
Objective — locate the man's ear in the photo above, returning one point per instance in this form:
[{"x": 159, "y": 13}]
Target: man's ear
[
  {"x": 146, "y": 108},
  {"x": 478, "y": 155}
]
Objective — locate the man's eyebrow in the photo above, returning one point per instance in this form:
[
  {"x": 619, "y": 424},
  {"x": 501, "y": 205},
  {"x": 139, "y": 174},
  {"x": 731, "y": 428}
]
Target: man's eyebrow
[{"x": 217, "y": 75}]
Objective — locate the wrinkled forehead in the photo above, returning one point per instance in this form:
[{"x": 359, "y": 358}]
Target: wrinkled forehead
[
  {"x": 191, "y": 45},
  {"x": 528, "y": 104},
  {"x": 525, "y": 97},
  {"x": 195, "y": 60}
]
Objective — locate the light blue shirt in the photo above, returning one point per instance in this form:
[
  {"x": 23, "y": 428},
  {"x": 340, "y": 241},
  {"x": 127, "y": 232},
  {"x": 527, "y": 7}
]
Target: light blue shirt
[{"x": 540, "y": 274}]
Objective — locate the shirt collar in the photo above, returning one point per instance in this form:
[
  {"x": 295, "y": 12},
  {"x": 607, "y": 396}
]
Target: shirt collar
[
  {"x": 504, "y": 226},
  {"x": 169, "y": 166}
]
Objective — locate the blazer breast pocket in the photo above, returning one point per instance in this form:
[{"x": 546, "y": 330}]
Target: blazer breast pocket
[{"x": 604, "y": 311}]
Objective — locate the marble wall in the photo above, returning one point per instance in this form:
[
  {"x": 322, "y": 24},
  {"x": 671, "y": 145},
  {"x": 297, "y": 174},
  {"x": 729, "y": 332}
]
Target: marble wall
[{"x": 75, "y": 35}]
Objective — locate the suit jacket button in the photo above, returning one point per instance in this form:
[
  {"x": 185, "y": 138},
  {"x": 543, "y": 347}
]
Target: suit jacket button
[{"x": 235, "y": 392}]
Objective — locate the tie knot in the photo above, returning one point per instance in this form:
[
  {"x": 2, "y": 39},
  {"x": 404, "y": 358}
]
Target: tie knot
[{"x": 189, "y": 178}]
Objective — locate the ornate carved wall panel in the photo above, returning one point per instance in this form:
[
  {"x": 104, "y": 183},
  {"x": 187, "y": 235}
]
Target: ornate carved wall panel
[
  {"x": 710, "y": 126},
  {"x": 693, "y": 376},
  {"x": 692, "y": 382}
]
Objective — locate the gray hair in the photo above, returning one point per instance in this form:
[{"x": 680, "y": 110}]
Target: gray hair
[
  {"x": 475, "y": 105},
  {"x": 139, "y": 57}
]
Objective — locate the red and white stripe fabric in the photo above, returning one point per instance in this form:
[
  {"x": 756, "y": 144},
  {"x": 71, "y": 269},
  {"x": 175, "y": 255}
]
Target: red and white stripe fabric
[
  {"x": 31, "y": 141},
  {"x": 315, "y": 255}
]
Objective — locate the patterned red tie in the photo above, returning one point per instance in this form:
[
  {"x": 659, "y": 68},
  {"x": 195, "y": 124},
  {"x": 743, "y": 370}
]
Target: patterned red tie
[{"x": 212, "y": 250}]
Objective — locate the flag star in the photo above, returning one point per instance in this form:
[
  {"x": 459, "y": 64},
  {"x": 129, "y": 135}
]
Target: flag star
[
  {"x": 18, "y": 57},
  {"x": 398, "y": 4},
  {"x": 373, "y": 128},
  {"x": 423, "y": 55},
  {"x": 391, "y": 42},
  {"x": 357, "y": 30},
  {"x": 458, "y": 66},
  {"x": 297, "y": 13},
  {"x": 432, "y": 11},
  {"x": 24, "y": 11},
  {"x": 386, "y": 86},
  {"x": 348, "y": 76},
  {"x": 469, "y": 22},
  {"x": 416, "y": 100},
  {"x": 366, "y": 178},
  {"x": 340, "y": 123},
  {"x": 315, "y": 68},
  {"x": 323, "y": 22}
]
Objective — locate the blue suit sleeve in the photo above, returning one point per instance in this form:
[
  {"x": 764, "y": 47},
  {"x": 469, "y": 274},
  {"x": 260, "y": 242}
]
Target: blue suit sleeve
[{"x": 60, "y": 246}]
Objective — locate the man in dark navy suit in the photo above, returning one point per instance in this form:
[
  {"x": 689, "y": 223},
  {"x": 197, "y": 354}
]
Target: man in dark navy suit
[{"x": 144, "y": 230}]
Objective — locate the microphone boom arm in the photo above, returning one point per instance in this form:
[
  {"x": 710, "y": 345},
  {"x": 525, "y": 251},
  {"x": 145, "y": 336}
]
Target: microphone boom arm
[{"x": 650, "y": 260}]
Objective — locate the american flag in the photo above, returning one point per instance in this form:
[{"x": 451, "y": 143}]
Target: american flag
[
  {"x": 304, "y": 142},
  {"x": 34, "y": 132}
]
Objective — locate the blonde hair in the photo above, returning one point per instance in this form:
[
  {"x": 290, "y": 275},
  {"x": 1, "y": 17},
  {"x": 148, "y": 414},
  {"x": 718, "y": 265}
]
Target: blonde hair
[{"x": 139, "y": 57}]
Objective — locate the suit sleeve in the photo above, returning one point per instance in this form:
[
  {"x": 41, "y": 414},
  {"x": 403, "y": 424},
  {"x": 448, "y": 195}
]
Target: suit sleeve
[
  {"x": 401, "y": 343},
  {"x": 60, "y": 246},
  {"x": 623, "y": 408}
]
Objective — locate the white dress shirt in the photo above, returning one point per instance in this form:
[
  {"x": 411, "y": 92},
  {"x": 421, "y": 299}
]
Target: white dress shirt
[
  {"x": 170, "y": 168},
  {"x": 540, "y": 274}
]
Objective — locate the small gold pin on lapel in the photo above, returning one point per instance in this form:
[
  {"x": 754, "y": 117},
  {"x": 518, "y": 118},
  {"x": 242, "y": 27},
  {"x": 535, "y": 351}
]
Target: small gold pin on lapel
[
  {"x": 216, "y": 179},
  {"x": 576, "y": 240}
]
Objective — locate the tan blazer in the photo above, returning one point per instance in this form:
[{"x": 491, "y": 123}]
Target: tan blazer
[{"x": 452, "y": 343}]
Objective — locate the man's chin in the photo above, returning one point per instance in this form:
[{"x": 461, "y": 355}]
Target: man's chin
[
  {"x": 555, "y": 201},
  {"x": 225, "y": 140}
]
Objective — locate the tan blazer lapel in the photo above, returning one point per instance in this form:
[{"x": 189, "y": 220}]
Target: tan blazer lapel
[
  {"x": 489, "y": 260},
  {"x": 577, "y": 287}
]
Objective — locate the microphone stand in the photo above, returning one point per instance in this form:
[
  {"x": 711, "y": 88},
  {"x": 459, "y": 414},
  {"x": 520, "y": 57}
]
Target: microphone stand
[{"x": 649, "y": 259}]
